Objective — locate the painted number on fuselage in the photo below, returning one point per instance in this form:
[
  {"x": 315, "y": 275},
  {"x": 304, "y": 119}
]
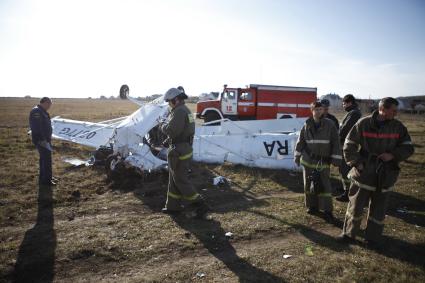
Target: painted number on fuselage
[
  {"x": 281, "y": 149},
  {"x": 74, "y": 133}
]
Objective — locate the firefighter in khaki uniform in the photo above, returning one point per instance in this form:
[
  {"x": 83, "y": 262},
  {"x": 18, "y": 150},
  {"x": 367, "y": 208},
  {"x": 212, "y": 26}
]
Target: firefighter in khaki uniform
[
  {"x": 317, "y": 147},
  {"x": 374, "y": 147},
  {"x": 180, "y": 130}
]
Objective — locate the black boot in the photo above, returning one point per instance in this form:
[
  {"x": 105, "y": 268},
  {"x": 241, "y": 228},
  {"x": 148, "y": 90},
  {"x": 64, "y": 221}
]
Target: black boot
[
  {"x": 329, "y": 217},
  {"x": 344, "y": 239},
  {"x": 170, "y": 212},
  {"x": 343, "y": 197},
  {"x": 312, "y": 210}
]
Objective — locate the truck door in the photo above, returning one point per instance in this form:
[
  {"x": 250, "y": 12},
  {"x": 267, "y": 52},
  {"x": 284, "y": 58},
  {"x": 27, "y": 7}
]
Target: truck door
[
  {"x": 246, "y": 104},
  {"x": 229, "y": 102}
]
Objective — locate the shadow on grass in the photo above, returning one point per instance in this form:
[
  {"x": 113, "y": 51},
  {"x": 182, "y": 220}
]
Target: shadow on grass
[
  {"x": 407, "y": 208},
  {"x": 211, "y": 235},
  {"x": 402, "y": 250},
  {"x": 209, "y": 232},
  {"x": 224, "y": 199},
  {"x": 313, "y": 235},
  {"x": 36, "y": 256}
]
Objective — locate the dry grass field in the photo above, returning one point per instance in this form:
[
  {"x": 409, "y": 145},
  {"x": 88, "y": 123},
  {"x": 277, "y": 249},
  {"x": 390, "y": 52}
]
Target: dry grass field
[{"x": 88, "y": 229}]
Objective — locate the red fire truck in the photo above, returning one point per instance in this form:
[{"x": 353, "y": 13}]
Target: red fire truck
[{"x": 258, "y": 102}]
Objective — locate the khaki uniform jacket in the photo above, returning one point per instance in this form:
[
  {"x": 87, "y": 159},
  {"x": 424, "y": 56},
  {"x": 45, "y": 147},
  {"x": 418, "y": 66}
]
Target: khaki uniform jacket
[
  {"x": 180, "y": 130},
  {"x": 318, "y": 144},
  {"x": 366, "y": 140}
]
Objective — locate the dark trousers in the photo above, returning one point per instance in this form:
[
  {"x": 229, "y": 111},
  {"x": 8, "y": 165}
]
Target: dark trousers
[{"x": 45, "y": 165}]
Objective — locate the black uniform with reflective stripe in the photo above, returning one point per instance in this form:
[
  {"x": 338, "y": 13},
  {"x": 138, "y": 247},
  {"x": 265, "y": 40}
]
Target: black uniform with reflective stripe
[
  {"x": 349, "y": 120},
  {"x": 40, "y": 124}
]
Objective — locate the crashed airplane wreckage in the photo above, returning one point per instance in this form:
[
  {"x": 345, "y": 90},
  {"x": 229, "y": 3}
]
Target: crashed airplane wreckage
[{"x": 135, "y": 142}]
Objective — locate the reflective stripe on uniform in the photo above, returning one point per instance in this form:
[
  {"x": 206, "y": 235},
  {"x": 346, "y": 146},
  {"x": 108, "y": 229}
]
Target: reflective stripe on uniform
[
  {"x": 325, "y": 195},
  {"x": 192, "y": 197},
  {"x": 347, "y": 181},
  {"x": 314, "y": 166},
  {"x": 380, "y": 135},
  {"x": 350, "y": 141},
  {"x": 406, "y": 142},
  {"x": 178, "y": 196},
  {"x": 363, "y": 186},
  {"x": 336, "y": 156},
  {"x": 174, "y": 196},
  {"x": 349, "y": 215},
  {"x": 376, "y": 221},
  {"x": 318, "y": 141},
  {"x": 186, "y": 156},
  {"x": 369, "y": 188}
]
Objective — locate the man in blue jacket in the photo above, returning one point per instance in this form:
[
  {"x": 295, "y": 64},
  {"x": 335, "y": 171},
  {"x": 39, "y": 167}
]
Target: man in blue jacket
[{"x": 41, "y": 133}]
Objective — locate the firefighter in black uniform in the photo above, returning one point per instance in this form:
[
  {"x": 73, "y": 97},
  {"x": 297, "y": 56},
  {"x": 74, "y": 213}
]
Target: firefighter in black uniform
[
  {"x": 350, "y": 119},
  {"x": 41, "y": 133}
]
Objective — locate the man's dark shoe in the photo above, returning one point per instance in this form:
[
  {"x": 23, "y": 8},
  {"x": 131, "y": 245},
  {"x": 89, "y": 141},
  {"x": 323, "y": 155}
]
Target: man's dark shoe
[
  {"x": 170, "y": 212},
  {"x": 343, "y": 197},
  {"x": 312, "y": 211},
  {"x": 344, "y": 239}
]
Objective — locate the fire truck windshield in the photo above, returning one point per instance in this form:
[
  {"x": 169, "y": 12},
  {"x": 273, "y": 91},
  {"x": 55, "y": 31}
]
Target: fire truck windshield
[{"x": 229, "y": 94}]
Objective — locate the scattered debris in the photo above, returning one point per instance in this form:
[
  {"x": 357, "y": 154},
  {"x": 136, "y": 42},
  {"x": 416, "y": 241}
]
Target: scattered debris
[
  {"x": 229, "y": 235},
  {"x": 309, "y": 251},
  {"x": 70, "y": 216},
  {"x": 287, "y": 256},
  {"x": 77, "y": 162},
  {"x": 219, "y": 180},
  {"x": 200, "y": 274}
]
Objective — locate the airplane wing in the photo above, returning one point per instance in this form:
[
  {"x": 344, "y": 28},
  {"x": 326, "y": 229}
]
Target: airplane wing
[{"x": 84, "y": 133}]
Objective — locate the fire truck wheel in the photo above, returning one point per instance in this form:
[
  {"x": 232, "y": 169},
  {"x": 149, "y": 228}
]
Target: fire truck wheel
[{"x": 211, "y": 116}]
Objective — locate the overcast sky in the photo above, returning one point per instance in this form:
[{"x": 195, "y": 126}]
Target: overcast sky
[{"x": 82, "y": 48}]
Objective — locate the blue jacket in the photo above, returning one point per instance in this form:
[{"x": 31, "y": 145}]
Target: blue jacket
[{"x": 40, "y": 124}]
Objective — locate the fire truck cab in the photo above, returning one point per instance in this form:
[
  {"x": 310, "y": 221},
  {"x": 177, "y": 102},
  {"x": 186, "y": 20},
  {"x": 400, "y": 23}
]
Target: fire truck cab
[{"x": 258, "y": 102}]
